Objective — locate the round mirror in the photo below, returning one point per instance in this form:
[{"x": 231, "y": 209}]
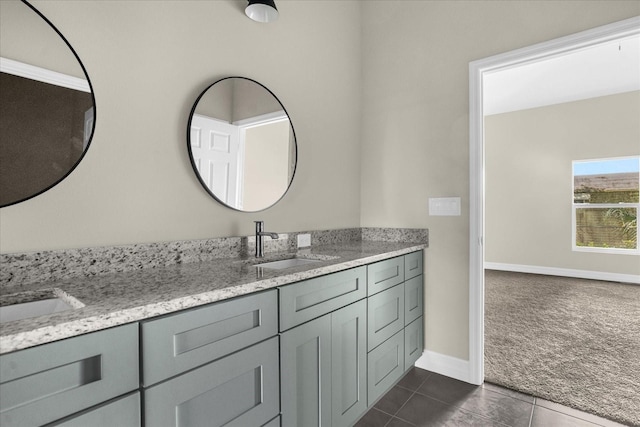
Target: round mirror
[
  {"x": 46, "y": 109},
  {"x": 241, "y": 144}
]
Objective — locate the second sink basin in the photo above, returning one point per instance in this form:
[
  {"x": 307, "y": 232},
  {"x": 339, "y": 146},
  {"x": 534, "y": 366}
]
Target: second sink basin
[
  {"x": 33, "y": 304},
  {"x": 287, "y": 263}
]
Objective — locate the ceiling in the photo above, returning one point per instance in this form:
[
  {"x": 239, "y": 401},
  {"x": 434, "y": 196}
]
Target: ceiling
[{"x": 605, "y": 69}]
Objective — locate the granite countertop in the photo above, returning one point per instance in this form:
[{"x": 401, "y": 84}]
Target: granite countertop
[{"x": 118, "y": 298}]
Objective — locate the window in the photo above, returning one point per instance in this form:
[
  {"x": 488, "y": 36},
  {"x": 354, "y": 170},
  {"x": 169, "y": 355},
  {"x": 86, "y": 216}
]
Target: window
[{"x": 606, "y": 204}]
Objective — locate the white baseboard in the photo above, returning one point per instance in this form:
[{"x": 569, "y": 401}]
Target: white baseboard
[
  {"x": 565, "y": 272},
  {"x": 445, "y": 365}
]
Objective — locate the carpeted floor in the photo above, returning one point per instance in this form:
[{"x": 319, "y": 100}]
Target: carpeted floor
[{"x": 571, "y": 341}]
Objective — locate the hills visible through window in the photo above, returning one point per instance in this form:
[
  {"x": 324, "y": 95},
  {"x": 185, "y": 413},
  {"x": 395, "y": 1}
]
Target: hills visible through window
[{"x": 606, "y": 204}]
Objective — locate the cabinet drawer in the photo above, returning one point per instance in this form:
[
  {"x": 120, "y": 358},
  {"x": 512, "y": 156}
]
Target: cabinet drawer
[
  {"x": 176, "y": 343},
  {"x": 384, "y": 274},
  {"x": 124, "y": 412},
  {"x": 385, "y": 315},
  {"x": 413, "y": 342},
  {"x": 42, "y": 384},
  {"x": 239, "y": 390},
  {"x": 413, "y": 299},
  {"x": 306, "y": 300},
  {"x": 412, "y": 265},
  {"x": 386, "y": 366}
]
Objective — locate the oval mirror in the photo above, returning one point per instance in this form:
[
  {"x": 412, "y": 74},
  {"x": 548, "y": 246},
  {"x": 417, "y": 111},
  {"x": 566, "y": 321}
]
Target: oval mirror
[
  {"x": 47, "y": 106},
  {"x": 242, "y": 144}
]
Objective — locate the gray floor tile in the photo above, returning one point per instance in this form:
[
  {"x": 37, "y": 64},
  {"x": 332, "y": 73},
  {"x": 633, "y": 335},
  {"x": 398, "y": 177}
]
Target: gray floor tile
[
  {"x": 446, "y": 389},
  {"x": 543, "y": 417},
  {"x": 397, "y": 422},
  {"x": 373, "y": 418},
  {"x": 414, "y": 379},
  {"x": 509, "y": 392},
  {"x": 499, "y": 407},
  {"x": 576, "y": 413},
  {"x": 393, "y": 400},
  {"x": 423, "y": 411}
]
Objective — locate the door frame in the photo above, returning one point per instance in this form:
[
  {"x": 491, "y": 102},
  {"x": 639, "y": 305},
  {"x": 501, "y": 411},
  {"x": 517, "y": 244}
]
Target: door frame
[{"x": 527, "y": 55}]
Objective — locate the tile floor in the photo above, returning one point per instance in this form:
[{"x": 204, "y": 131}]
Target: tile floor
[{"x": 423, "y": 398}]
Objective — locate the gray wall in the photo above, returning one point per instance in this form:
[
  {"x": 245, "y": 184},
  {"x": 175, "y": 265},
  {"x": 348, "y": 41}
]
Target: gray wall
[{"x": 528, "y": 157}]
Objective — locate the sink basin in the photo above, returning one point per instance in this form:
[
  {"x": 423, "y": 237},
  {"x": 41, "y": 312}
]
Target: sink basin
[
  {"x": 33, "y": 304},
  {"x": 287, "y": 263}
]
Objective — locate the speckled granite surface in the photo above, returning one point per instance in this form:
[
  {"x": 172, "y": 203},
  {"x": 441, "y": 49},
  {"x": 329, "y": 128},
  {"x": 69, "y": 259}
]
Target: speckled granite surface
[{"x": 141, "y": 281}]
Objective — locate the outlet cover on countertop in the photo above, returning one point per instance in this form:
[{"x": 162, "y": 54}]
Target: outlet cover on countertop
[{"x": 444, "y": 206}]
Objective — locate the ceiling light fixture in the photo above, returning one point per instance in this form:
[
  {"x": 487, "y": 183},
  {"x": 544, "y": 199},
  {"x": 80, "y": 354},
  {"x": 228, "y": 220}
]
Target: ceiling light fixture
[{"x": 262, "y": 10}]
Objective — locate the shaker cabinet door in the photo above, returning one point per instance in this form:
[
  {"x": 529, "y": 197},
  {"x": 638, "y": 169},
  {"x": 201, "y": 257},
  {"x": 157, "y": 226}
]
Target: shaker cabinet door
[
  {"x": 349, "y": 363},
  {"x": 413, "y": 299},
  {"x": 413, "y": 342},
  {"x": 305, "y": 375},
  {"x": 386, "y": 366}
]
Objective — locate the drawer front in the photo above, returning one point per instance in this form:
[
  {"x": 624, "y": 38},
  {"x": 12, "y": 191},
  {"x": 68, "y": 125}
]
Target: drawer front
[
  {"x": 385, "y": 366},
  {"x": 42, "y": 384},
  {"x": 306, "y": 300},
  {"x": 384, "y": 274},
  {"x": 239, "y": 390},
  {"x": 123, "y": 412},
  {"x": 413, "y": 342},
  {"x": 413, "y": 264},
  {"x": 385, "y": 315},
  {"x": 413, "y": 299},
  {"x": 180, "y": 342}
]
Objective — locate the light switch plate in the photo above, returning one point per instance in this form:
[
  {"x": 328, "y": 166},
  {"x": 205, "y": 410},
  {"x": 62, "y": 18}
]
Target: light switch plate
[
  {"x": 304, "y": 240},
  {"x": 444, "y": 206}
]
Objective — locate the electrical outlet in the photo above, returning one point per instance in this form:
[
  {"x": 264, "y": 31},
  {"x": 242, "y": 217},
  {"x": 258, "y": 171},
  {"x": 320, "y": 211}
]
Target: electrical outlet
[{"x": 304, "y": 240}]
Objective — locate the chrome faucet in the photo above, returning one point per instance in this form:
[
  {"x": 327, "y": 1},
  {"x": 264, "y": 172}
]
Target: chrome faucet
[{"x": 259, "y": 238}]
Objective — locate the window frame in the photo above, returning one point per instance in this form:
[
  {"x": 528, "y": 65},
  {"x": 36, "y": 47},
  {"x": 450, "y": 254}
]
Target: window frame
[{"x": 575, "y": 206}]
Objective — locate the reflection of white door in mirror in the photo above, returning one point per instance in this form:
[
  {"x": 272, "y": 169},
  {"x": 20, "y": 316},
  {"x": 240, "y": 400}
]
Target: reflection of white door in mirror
[{"x": 215, "y": 146}]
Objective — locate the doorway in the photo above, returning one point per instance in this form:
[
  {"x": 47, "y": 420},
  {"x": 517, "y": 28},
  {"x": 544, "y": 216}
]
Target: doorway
[{"x": 478, "y": 71}]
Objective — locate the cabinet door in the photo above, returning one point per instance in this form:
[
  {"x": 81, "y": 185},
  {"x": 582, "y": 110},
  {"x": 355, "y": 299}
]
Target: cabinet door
[
  {"x": 413, "y": 299},
  {"x": 305, "y": 374},
  {"x": 413, "y": 264},
  {"x": 384, "y": 274},
  {"x": 309, "y": 299},
  {"x": 43, "y": 384},
  {"x": 179, "y": 342},
  {"x": 385, "y": 366},
  {"x": 123, "y": 412},
  {"x": 413, "y": 342},
  {"x": 349, "y": 363},
  {"x": 239, "y": 390},
  {"x": 385, "y": 315}
]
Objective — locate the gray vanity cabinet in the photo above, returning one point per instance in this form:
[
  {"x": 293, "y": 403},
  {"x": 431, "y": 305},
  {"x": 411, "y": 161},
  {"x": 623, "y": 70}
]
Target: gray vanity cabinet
[
  {"x": 215, "y": 365},
  {"x": 238, "y": 390},
  {"x": 323, "y": 369},
  {"x": 44, "y": 384}
]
